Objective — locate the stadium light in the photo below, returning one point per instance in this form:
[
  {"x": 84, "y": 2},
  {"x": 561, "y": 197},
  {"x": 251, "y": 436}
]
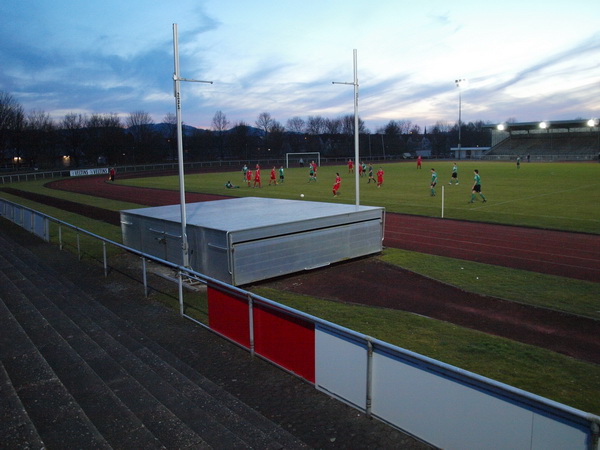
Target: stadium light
[
  {"x": 176, "y": 84},
  {"x": 460, "y": 83},
  {"x": 543, "y": 125},
  {"x": 501, "y": 127},
  {"x": 594, "y": 123},
  {"x": 356, "y": 152}
]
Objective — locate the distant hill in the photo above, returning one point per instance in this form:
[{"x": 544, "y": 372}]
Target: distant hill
[{"x": 165, "y": 130}]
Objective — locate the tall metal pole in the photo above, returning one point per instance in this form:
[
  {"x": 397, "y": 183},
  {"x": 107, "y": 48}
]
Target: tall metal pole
[
  {"x": 176, "y": 85},
  {"x": 356, "y": 134},
  {"x": 459, "y": 118},
  {"x": 459, "y": 83},
  {"x": 176, "y": 79}
]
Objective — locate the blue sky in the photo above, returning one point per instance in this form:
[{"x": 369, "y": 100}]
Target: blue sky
[{"x": 527, "y": 60}]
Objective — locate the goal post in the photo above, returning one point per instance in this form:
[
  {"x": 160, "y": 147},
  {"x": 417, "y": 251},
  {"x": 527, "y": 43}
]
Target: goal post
[{"x": 302, "y": 159}]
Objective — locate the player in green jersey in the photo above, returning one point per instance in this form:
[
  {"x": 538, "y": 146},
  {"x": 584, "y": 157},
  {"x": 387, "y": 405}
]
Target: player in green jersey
[
  {"x": 477, "y": 187},
  {"x": 434, "y": 177},
  {"x": 454, "y": 174}
]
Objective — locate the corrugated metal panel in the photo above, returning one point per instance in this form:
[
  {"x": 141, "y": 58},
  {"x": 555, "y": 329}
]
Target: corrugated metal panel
[{"x": 266, "y": 258}]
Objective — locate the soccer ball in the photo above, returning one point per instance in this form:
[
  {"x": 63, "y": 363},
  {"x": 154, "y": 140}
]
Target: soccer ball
[{"x": 302, "y": 195}]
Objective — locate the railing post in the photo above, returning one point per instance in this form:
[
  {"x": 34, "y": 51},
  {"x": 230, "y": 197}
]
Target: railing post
[
  {"x": 251, "y": 323},
  {"x": 104, "y": 259},
  {"x": 180, "y": 294},
  {"x": 60, "y": 244},
  {"x": 144, "y": 277},
  {"x": 595, "y": 435},
  {"x": 47, "y": 229},
  {"x": 78, "y": 246},
  {"x": 369, "y": 398}
]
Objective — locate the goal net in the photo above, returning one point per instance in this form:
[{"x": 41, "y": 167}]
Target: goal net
[{"x": 302, "y": 159}]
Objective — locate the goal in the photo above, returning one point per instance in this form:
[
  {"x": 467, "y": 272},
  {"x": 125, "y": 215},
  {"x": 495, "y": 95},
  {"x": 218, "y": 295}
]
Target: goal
[{"x": 302, "y": 159}]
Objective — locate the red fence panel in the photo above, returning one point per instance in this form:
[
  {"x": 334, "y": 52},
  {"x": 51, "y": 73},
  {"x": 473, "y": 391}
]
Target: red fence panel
[
  {"x": 228, "y": 315},
  {"x": 286, "y": 340}
]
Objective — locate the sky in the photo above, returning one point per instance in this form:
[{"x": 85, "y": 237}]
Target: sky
[{"x": 524, "y": 60}]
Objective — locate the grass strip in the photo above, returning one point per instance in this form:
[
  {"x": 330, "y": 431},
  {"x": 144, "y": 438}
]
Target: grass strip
[
  {"x": 531, "y": 288},
  {"x": 540, "y": 371}
]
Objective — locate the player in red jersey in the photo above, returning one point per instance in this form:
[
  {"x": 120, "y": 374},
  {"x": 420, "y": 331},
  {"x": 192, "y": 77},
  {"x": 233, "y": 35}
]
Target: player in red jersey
[
  {"x": 257, "y": 176},
  {"x": 350, "y": 166},
  {"x": 314, "y": 166},
  {"x": 336, "y": 186},
  {"x": 273, "y": 179},
  {"x": 379, "y": 177},
  {"x": 249, "y": 176}
]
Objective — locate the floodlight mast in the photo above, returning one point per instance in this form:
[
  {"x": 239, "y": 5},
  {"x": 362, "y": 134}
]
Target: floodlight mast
[
  {"x": 356, "y": 149},
  {"x": 176, "y": 87},
  {"x": 459, "y": 84}
]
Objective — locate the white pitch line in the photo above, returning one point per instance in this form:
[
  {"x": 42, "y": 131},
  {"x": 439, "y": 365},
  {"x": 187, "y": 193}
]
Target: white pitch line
[{"x": 543, "y": 195}]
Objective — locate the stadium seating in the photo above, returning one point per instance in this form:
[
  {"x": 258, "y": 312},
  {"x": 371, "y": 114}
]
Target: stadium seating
[{"x": 547, "y": 146}]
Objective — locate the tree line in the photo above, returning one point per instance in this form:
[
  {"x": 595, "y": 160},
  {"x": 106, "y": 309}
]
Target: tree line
[{"x": 34, "y": 139}]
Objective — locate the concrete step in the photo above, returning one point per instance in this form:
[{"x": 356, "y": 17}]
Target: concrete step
[
  {"x": 40, "y": 412},
  {"x": 142, "y": 386}
]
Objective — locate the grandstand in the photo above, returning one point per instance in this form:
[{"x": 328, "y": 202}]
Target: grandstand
[{"x": 565, "y": 140}]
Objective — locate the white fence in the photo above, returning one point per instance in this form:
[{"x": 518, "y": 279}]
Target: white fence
[{"x": 435, "y": 402}]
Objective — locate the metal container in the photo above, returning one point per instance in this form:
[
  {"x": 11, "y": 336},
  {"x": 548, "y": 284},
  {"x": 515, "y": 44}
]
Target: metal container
[{"x": 243, "y": 240}]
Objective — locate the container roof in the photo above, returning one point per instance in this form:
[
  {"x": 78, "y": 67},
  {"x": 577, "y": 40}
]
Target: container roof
[{"x": 244, "y": 213}]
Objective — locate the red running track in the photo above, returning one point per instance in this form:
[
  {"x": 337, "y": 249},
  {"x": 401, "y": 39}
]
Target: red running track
[{"x": 574, "y": 255}]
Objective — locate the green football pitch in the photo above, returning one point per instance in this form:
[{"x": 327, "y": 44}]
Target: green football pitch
[{"x": 563, "y": 196}]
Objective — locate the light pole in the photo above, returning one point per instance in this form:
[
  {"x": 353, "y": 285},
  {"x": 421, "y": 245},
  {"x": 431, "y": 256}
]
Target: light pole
[
  {"x": 459, "y": 84},
  {"x": 176, "y": 82},
  {"x": 595, "y": 123},
  {"x": 356, "y": 152}
]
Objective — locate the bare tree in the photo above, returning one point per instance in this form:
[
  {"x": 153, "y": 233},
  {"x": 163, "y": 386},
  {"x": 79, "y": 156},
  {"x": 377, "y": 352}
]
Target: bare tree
[
  {"x": 441, "y": 127},
  {"x": 392, "y": 129},
  {"x": 416, "y": 129},
  {"x": 264, "y": 122},
  {"x": 276, "y": 133},
  {"x": 73, "y": 125},
  {"x": 315, "y": 125},
  {"x": 140, "y": 126},
  {"x": 296, "y": 125},
  {"x": 12, "y": 122},
  {"x": 220, "y": 124},
  {"x": 347, "y": 122},
  {"x": 404, "y": 126},
  {"x": 333, "y": 126},
  {"x": 242, "y": 142},
  {"x": 39, "y": 128},
  {"x": 105, "y": 138}
]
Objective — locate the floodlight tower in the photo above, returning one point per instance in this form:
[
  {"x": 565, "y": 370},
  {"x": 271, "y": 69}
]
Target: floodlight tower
[
  {"x": 176, "y": 85},
  {"x": 460, "y": 83},
  {"x": 356, "y": 151},
  {"x": 595, "y": 123}
]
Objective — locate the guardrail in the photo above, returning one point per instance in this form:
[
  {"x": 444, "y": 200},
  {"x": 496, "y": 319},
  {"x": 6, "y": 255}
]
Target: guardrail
[
  {"x": 6, "y": 178},
  {"x": 440, "y": 404},
  {"x": 542, "y": 158}
]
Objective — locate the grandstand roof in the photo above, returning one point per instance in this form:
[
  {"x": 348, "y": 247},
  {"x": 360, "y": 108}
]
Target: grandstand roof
[{"x": 557, "y": 124}]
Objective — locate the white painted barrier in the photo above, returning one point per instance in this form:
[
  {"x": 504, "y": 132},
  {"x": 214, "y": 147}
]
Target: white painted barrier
[{"x": 441, "y": 404}]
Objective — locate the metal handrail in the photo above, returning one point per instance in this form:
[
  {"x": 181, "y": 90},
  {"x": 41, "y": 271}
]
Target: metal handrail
[{"x": 448, "y": 371}]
